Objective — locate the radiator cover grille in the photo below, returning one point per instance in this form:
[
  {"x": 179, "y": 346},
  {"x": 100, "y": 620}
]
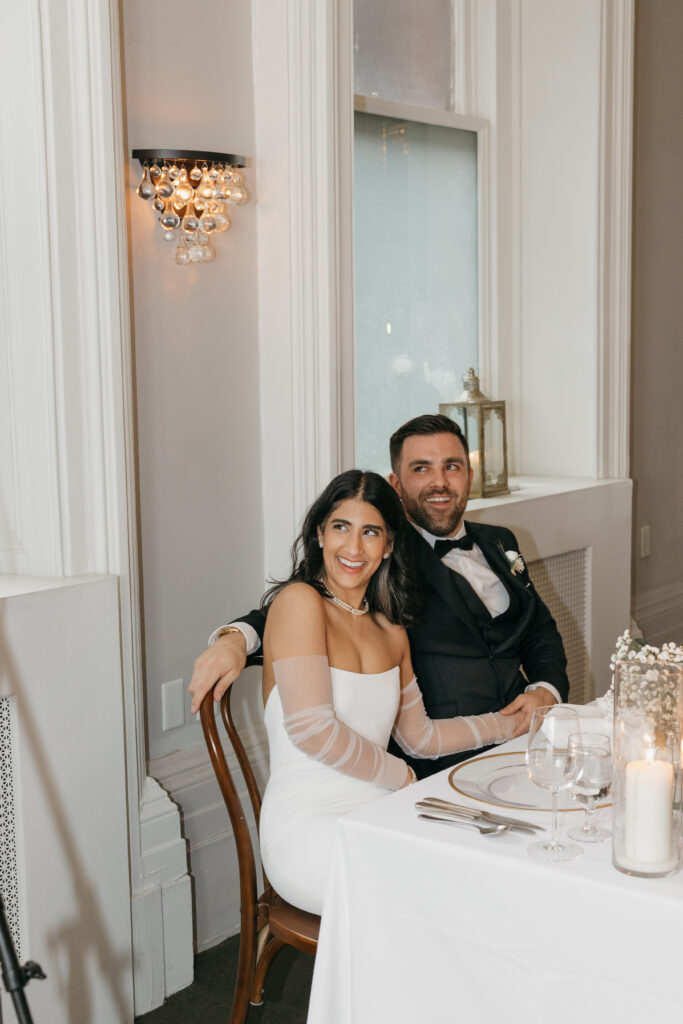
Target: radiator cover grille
[
  {"x": 561, "y": 581},
  {"x": 9, "y": 879}
]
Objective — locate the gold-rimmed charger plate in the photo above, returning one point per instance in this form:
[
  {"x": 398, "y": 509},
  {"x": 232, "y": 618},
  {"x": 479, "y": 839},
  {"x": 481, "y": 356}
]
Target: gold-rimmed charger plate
[{"x": 502, "y": 781}]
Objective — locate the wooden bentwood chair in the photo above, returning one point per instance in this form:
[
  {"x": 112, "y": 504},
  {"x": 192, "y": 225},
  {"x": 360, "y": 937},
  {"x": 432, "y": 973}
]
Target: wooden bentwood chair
[{"x": 268, "y": 923}]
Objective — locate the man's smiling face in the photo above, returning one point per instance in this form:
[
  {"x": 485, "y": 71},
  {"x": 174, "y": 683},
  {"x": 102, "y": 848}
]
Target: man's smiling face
[{"x": 433, "y": 482}]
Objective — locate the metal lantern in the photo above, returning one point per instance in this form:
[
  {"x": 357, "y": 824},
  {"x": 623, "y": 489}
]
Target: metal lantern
[{"x": 482, "y": 421}]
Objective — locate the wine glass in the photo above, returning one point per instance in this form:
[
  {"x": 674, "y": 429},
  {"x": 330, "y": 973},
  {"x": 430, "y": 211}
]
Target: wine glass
[
  {"x": 592, "y": 754},
  {"x": 550, "y": 766}
]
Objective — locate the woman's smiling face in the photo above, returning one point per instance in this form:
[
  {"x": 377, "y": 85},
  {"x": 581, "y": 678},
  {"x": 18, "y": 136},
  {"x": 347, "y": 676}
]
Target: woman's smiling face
[{"x": 354, "y": 541}]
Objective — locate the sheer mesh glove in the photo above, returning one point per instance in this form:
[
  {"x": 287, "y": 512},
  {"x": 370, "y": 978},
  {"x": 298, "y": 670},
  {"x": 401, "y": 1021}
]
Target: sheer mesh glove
[
  {"x": 305, "y": 687},
  {"x": 425, "y": 737}
]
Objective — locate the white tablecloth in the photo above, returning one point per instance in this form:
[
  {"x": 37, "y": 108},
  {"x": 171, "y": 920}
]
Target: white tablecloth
[{"x": 426, "y": 924}]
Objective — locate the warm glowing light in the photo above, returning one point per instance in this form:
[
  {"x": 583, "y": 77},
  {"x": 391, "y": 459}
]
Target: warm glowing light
[{"x": 192, "y": 193}]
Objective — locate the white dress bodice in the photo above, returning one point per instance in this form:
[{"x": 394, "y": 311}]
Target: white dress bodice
[{"x": 304, "y": 798}]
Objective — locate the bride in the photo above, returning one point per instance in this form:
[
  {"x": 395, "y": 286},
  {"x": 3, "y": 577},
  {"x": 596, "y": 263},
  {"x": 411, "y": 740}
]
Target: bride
[{"x": 338, "y": 682}]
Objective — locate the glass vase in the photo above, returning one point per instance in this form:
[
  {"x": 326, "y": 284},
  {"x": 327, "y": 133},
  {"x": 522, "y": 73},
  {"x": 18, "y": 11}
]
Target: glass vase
[{"x": 648, "y": 715}]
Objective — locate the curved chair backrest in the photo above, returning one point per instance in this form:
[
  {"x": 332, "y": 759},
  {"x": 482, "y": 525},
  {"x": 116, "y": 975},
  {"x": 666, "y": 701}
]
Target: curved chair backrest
[
  {"x": 267, "y": 923},
  {"x": 240, "y": 827}
]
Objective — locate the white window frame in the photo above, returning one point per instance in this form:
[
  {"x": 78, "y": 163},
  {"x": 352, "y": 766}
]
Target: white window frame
[{"x": 480, "y": 127}]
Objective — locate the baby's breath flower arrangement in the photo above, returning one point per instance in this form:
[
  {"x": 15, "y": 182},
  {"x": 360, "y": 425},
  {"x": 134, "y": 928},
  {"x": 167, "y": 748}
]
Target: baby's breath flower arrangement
[{"x": 646, "y": 690}]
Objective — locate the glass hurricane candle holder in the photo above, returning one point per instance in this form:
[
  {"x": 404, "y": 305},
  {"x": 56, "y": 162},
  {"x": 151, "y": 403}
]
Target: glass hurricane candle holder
[{"x": 648, "y": 715}]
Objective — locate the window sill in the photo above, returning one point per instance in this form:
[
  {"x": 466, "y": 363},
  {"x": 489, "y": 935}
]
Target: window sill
[{"x": 531, "y": 488}]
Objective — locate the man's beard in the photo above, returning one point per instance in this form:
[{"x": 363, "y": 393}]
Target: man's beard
[{"x": 440, "y": 524}]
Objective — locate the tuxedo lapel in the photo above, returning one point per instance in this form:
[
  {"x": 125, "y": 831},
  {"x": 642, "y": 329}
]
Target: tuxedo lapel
[
  {"x": 440, "y": 577},
  {"x": 494, "y": 553}
]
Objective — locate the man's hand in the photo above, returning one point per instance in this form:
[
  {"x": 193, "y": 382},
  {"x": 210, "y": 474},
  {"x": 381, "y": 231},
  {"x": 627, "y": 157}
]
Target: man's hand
[
  {"x": 218, "y": 666},
  {"x": 527, "y": 704}
]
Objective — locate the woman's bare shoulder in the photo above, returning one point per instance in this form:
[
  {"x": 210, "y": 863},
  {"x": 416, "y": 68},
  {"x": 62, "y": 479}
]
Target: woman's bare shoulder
[
  {"x": 295, "y": 627},
  {"x": 296, "y": 621},
  {"x": 297, "y": 596}
]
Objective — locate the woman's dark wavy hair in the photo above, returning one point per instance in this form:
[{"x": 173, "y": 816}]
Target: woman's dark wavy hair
[{"x": 393, "y": 589}]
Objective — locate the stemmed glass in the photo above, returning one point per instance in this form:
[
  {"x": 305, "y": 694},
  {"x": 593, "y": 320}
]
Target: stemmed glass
[
  {"x": 592, "y": 756},
  {"x": 550, "y": 766}
]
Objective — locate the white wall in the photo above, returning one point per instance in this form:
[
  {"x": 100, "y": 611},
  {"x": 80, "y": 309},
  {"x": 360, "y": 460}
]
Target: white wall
[
  {"x": 657, "y": 435},
  {"x": 196, "y": 350},
  {"x": 548, "y": 113}
]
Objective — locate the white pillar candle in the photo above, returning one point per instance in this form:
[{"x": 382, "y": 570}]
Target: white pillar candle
[{"x": 647, "y": 813}]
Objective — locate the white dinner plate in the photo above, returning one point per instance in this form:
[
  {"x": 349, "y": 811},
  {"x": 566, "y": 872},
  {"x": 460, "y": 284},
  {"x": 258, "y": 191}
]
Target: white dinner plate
[{"x": 502, "y": 780}]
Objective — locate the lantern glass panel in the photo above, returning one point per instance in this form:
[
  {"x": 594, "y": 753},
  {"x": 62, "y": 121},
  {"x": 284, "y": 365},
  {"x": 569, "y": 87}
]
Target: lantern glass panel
[
  {"x": 472, "y": 431},
  {"x": 494, "y": 446}
]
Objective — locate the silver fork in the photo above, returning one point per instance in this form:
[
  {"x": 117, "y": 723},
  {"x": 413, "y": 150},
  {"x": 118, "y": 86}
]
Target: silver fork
[
  {"x": 483, "y": 829},
  {"x": 435, "y": 806}
]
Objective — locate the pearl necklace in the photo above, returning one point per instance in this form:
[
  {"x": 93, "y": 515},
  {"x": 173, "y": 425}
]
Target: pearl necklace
[{"x": 363, "y": 610}]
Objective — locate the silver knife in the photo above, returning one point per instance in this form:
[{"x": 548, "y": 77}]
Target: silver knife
[{"x": 445, "y": 807}]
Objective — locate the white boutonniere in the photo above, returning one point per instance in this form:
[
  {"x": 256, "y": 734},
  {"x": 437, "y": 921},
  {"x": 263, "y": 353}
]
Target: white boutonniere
[{"x": 514, "y": 560}]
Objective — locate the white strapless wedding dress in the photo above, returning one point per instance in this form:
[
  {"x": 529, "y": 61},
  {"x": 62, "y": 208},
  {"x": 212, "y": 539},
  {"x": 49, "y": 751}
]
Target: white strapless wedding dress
[{"x": 304, "y": 799}]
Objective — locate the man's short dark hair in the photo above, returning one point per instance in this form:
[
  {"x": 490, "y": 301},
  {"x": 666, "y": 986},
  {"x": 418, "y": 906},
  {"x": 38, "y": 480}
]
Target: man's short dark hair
[{"x": 423, "y": 426}]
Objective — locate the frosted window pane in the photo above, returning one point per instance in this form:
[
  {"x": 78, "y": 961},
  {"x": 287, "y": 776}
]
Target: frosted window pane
[
  {"x": 403, "y": 51},
  {"x": 416, "y": 300}
]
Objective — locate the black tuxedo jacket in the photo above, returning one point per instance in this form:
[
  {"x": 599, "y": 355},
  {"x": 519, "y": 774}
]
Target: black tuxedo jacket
[{"x": 466, "y": 662}]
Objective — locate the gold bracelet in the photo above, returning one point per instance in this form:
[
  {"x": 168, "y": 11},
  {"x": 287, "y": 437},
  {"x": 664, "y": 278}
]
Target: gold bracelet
[{"x": 228, "y": 629}]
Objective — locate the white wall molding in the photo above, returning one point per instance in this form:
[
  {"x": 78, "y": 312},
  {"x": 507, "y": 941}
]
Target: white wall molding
[
  {"x": 465, "y": 56},
  {"x": 659, "y": 613},
  {"x": 189, "y": 778},
  {"x": 614, "y": 242},
  {"x": 303, "y": 100},
  {"x": 30, "y": 514}
]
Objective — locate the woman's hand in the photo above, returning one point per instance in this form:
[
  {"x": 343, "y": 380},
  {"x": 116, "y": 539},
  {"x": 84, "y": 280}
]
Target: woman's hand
[{"x": 218, "y": 667}]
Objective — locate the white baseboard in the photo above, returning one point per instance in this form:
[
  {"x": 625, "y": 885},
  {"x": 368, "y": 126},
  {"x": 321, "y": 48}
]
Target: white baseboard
[
  {"x": 189, "y": 778},
  {"x": 659, "y": 613},
  {"x": 162, "y": 908}
]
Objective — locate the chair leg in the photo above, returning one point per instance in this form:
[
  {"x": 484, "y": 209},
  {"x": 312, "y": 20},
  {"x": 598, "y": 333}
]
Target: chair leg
[
  {"x": 246, "y": 966},
  {"x": 267, "y": 953}
]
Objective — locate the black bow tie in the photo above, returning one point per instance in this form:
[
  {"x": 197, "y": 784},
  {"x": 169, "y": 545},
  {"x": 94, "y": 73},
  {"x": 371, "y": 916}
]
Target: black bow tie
[{"x": 442, "y": 547}]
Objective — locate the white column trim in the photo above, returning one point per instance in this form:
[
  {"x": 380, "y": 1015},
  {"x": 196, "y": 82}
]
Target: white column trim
[
  {"x": 614, "y": 242},
  {"x": 516, "y": 361},
  {"x": 465, "y": 57},
  {"x": 314, "y": 317},
  {"x": 303, "y": 103}
]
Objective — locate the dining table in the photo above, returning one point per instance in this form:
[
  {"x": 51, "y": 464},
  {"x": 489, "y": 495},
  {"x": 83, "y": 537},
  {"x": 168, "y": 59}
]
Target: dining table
[{"x": 423, "y": 922}]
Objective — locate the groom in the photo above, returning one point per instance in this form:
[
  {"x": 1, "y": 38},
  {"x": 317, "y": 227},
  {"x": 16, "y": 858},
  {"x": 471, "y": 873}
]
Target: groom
[{"x": 482, "y": 623}]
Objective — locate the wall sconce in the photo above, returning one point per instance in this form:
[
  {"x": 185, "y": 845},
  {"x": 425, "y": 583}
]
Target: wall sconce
[
  {"x": 482, "y": 421},
  {"x": 191, "y": 191}
]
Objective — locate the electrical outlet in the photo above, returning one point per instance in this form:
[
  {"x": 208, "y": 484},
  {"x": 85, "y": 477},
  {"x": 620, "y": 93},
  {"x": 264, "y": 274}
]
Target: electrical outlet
[
  {"x": 172, "y": 704},
  {"x": 645, "y": 541}
]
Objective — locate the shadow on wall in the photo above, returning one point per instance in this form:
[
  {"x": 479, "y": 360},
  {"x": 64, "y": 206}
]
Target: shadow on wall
[{"x": 84, "y": 937}]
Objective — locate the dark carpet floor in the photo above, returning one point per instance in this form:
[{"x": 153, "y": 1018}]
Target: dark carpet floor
[{"x": 209, "y": 999}]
